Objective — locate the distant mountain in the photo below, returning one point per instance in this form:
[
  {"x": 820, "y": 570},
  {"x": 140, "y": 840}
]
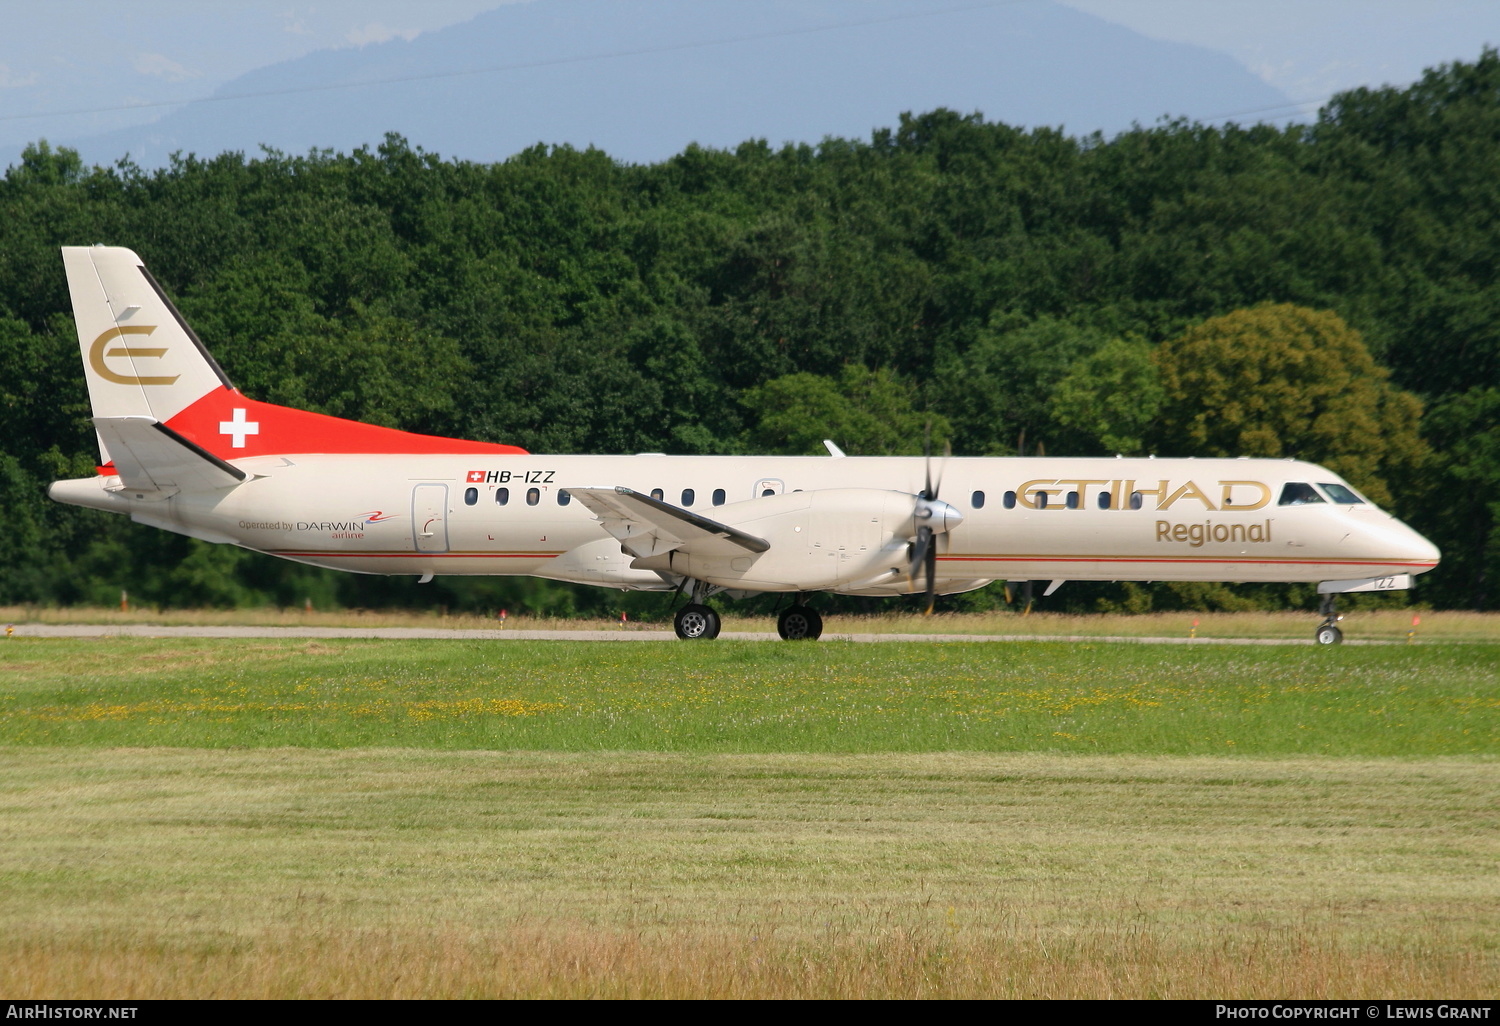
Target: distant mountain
[{"x": 642, "y": 79}]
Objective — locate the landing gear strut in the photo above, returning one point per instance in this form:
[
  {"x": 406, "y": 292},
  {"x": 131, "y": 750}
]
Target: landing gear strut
[
  {"x": 799, "y": 623},
  {"x": 1328, "y": 632}
]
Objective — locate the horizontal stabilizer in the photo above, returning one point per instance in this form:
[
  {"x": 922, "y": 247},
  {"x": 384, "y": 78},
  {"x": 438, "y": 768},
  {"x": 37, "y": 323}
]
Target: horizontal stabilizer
[
  {"x": 650, "y": 527},
  {"x": 149, "y": 456}
]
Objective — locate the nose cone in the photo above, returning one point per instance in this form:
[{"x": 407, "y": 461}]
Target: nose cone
[
  {"x": 1422, "y": 551},
  {"x": 937, "y": 515},
  {"x": 1389, "y": 540}
]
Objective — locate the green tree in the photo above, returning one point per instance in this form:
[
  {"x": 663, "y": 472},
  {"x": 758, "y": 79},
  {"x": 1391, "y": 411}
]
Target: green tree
[
  {"x": 999, "y": 393},
  {"x": 1287, "y": 381},
  {"x": 42, "y": 165},
  {"x": 29, "y": 550},
  {"x": 1419, "y": 168},
  {"x": 1110, "y": 398},
  {"x": 1463, "y": 510},
  {"x": 864, "y": 412}
]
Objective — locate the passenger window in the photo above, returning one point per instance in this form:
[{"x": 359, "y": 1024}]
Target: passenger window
[
  {"x": 718, "y": 496},
  {"x": 688, "y": 496},
  {"x": 1137, "y": 500},
  {"x": 1104, "y": 500},
  {"x": 977, "y": 500},
  {"x": 657, "y": 493},
  {"x": 533, "y": 496},
  {"x": 1041, "y": 500},
  {"x": 471, "y": 496},
  {"x": 1338, "y": 493},
  {"x": 767, "y": 491},
  {"x": 1008, "y": 500},
  {"x": 502, "y": 496},
  {"x": 1072, "y": 500},
  {"x": 563, "y": 498},
  {"x": 1296, "y": 493}
]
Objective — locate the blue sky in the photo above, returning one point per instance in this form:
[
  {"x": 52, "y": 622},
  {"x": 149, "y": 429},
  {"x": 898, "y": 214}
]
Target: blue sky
[
  {"x": 67, "y": 66},
  {"x": 1310, "y": 49}
]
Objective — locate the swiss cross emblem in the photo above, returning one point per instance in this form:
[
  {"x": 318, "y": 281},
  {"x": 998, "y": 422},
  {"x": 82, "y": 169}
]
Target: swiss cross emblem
[
  {"x": 237, "y": 428},
  {"x": 476, "y": 476}
]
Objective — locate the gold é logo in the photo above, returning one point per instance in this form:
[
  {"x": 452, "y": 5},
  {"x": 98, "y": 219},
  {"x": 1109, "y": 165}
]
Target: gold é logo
[{"x": 97, "y": 353}]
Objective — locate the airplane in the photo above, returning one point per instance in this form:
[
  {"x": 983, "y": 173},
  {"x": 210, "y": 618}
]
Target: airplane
[{"x": 183, "y": 450}]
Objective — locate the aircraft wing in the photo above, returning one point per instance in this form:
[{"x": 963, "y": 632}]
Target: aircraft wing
[
  {"x": 149, "y": 456},
  {"x": 650, "y": 527}
]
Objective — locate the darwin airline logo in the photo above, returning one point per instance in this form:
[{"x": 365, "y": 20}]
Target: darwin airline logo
[
  {"x": 103, "y": 349},
  {"x": 1132, "y": 494},
  {"x": 333, "y": 528}
]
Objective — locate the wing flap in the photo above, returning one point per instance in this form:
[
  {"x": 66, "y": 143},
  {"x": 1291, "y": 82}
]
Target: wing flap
[
  {"x": 649, "y": 527},
  {"x": 149, "y": 456}
]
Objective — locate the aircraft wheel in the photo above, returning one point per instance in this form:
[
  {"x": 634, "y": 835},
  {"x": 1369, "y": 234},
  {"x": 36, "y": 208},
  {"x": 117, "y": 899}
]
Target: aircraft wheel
[
  {"x": 799, "y": 623},
  {"x": 694, "y": 622},
  {"x": 1328, "y": 634}
]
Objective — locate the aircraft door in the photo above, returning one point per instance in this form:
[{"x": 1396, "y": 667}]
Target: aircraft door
[
  {"x": 429, "y": 517},
  {"x": 768, "y": 486}
]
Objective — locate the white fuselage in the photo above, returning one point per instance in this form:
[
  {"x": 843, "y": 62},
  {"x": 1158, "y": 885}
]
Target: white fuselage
[{"x": 1022, "y": 519}]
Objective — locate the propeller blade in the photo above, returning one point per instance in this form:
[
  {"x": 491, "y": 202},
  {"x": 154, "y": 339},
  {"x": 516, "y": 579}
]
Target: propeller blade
[
  {"x": 935, "y": 485},
  {"x": 927, "y": 492},
  {"x": 931, "y": 578},
  {"x": 919, "y": 550}
]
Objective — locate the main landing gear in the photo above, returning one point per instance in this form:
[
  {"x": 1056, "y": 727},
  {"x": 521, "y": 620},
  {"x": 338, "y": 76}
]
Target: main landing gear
[
  {"x": 1328, "y": 632},
  {"x": 799, "y": 623},
  {"x": 696, "y": 621}
]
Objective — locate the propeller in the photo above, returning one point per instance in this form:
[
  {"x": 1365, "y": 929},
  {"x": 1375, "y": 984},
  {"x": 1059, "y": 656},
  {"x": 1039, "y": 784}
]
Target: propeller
[
  {"x": 924, "y": 558},
  {"x": 930, "y": 508}
]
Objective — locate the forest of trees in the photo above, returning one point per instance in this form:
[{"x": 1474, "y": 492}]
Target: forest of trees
[{"x": 1326, "y": 292}]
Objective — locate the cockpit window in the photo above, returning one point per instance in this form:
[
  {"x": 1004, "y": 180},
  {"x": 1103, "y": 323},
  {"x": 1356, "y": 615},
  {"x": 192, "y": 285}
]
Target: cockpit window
[
  {"x": 1295, "y": 493},
  {"x": 1340, "y": 493}
]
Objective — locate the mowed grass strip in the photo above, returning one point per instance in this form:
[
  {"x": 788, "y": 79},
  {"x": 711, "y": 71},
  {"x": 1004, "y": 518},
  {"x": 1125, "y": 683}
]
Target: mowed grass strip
[
  {"x": 728, "y": 696},
  {"x": 400, "y": 873}
]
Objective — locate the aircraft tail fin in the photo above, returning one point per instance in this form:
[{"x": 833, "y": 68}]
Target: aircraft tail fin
[
  {"x": 145, "y": 365},
  {"x": 140, "y": 358}
]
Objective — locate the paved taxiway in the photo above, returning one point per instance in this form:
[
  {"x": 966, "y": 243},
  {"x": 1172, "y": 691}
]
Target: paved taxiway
[{"x": 631, "y": 634}]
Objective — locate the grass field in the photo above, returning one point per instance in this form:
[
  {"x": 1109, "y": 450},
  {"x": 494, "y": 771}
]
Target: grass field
[
  {"x": 1431, "y": 700},
  {"x": 419, "y": 819}
]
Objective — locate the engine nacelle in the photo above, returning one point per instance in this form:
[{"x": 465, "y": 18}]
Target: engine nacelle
[{"x": 817, "y": 539}]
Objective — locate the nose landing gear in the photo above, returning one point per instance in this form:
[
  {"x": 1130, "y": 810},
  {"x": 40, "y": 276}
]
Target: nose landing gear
[{"x": 1328, "y": 632}]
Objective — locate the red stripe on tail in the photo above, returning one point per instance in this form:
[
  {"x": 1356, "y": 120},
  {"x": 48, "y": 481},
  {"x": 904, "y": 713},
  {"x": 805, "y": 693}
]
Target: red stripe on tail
[{"x": 231, "y": 426}]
